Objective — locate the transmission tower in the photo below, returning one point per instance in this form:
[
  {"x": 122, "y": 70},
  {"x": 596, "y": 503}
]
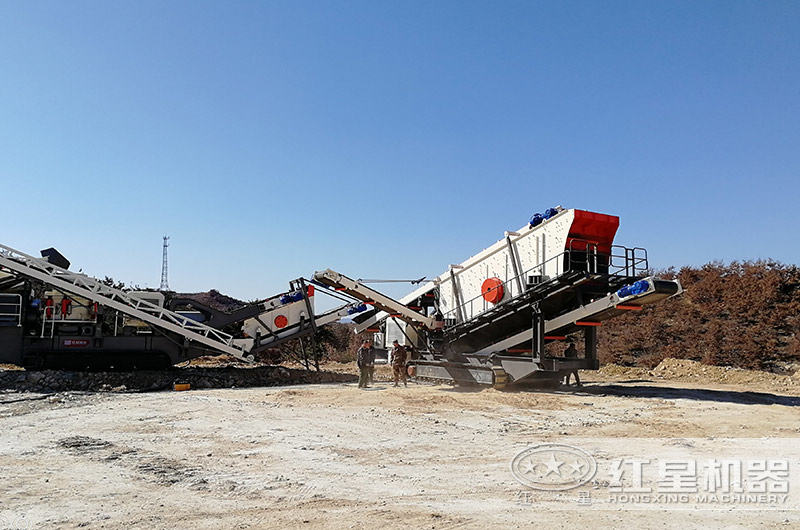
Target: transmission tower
[{"x": 164, "y": 283}]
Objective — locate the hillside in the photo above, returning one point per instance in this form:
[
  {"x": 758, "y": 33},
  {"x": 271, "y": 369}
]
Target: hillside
[
  {"x": 744, "y": 314},
  {"x": 215, "y": 299}
]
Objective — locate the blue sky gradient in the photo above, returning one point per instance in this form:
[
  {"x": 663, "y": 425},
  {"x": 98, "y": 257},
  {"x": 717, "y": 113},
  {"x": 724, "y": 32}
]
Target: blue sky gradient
[{"x": 389, "y": 139}]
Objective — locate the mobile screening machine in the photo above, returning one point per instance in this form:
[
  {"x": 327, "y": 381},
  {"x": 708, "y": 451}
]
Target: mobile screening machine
[
  {"x": 487, "y": 319},
  {"x": 51, "y": 316}
]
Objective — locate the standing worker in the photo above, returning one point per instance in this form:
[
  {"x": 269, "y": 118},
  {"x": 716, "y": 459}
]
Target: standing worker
[
  {"x": 572, "y": 353},
  {"x": 399, "y": 356},
  {"x": 370, "y": 361},
  {"x": 365, "y": 359}
]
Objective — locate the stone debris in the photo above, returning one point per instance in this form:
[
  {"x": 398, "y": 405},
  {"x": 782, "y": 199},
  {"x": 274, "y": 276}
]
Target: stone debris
[
  {"x": 688, "y": 370},
  {"x": 48, "y": 381},
  {"x": 83, "y": 443}
]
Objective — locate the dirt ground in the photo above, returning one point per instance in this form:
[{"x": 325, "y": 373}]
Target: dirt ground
[{"x": 426, "y": 456}]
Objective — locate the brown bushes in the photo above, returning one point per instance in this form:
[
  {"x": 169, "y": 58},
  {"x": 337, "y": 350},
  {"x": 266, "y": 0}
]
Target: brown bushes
[{"x": 744, "y": 314}]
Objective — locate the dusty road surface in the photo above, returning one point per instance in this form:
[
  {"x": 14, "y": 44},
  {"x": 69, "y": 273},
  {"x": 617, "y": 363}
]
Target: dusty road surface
[{"x": 334, "y": 456}]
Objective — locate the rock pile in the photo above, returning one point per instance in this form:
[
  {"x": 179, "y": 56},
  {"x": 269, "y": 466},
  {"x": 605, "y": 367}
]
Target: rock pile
[
  {"x": 685, "y": 368},
  {"x": 693, "y": 371},
  {"x": 197, "y": 377}
]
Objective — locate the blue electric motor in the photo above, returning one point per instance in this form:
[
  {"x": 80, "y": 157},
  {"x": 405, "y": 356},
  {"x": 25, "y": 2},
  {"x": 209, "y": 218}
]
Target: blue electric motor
[
  {"x": 637, "y": 288},
  {"x": 538, "y": 218},
  {"x": 357, "y": 309},
  {"x": 292, "y": 297}
]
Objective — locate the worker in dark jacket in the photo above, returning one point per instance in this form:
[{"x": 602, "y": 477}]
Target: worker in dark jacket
[
  {"x": 365, "y": 359},
  {"x": 371, "y": 360},
  {"x": 572, "y": 353},
  {"x": 399, "y": 357}
]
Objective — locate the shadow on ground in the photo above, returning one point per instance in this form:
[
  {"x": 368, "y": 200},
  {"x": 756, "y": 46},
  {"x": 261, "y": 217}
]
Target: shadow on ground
[{"x": 648, "y": 391}]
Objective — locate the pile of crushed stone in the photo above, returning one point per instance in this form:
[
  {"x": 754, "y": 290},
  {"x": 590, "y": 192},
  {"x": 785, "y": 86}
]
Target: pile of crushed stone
[
  {"x": 198, "y": 377},
  {"x": 688, "y": 370}
]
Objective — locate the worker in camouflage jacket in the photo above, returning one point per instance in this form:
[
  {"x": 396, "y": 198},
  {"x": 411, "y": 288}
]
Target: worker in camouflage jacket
[
  {"x": 365, "y": 359},
  {"x": 399, "y": 357}
]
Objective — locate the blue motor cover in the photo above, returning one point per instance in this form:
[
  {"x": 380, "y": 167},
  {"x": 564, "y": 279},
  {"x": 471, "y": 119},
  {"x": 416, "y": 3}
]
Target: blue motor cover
[{"x": 637, "y": 288}]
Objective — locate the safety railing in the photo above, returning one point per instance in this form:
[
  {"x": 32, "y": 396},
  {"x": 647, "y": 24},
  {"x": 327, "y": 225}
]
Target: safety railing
[
  {"x": 512, "y": 288},
  {"x": 10, "y": 310},
  {"x": 629, "y": 262},
  {"x": 581, "y": 256},
  {"x": 52, "y": 315},
  {"x": 48, "y": 316}
]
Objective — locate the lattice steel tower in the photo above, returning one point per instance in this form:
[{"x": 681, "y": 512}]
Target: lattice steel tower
[{"x": 164, "y": 283}]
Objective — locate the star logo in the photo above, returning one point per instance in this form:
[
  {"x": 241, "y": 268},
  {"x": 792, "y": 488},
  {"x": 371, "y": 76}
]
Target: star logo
[
  {"x": 553, "y": 465},
  {"x": 528, "y": 467},
  {"x": 577, "y": 466}
]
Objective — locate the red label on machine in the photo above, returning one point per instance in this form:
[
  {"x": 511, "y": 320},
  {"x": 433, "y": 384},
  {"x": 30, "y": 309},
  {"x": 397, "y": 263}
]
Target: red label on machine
[{"x": 76, "y": 343}]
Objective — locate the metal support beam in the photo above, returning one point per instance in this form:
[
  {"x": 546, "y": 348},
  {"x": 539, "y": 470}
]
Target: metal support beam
[
  {"x": 590, "y": 343},
  {"x": 403, "y": 331},
  {"x": 457, "y": 294},
  {"x": 305, "y": 355},
  {"x": 309, "y": 309},
  {"x": 312, "y": 322},
  {"x": 537, "y": 327},
  {"x": 514, "y": 264},
  {"x": 366, "y": 294}
]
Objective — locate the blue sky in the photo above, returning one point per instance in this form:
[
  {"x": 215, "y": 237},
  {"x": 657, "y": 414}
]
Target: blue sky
[{"x": 389, "y": 139}]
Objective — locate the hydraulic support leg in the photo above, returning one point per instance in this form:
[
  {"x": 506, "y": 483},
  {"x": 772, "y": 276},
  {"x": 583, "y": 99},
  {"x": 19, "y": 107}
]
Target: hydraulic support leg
[
  {"x": 590, "y": 344},
  {"x": 537, "y": 325}
]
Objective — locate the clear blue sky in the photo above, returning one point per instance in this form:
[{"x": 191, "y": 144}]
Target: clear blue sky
[{"x": 389, "y": 139}]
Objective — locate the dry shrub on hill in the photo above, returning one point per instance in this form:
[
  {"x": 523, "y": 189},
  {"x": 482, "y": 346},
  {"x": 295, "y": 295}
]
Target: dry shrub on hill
[{"x": 744, "y": 314}]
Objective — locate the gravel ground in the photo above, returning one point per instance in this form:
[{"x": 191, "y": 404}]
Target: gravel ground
[{"x": 334, "y": 456}]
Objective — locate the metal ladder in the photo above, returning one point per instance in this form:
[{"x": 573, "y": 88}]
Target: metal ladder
[{"x": 96, "y": 291}]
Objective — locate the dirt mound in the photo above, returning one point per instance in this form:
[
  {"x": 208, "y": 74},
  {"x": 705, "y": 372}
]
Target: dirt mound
[
  {"x": 615, "y": 370},
  {"x": 683, "y": 368},
  {"x": 696, "y": 372},
  {"x": 7, "y": 367}
]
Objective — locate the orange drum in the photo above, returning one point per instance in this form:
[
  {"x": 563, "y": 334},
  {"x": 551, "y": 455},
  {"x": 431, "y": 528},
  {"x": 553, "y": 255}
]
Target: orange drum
[{"x": 492, "y": 290}]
